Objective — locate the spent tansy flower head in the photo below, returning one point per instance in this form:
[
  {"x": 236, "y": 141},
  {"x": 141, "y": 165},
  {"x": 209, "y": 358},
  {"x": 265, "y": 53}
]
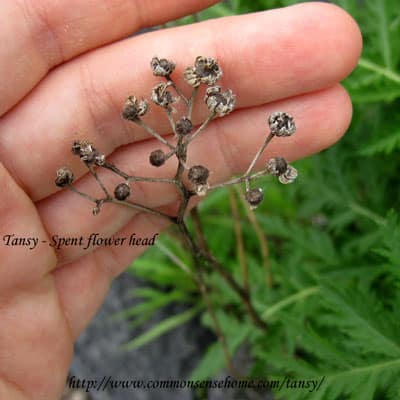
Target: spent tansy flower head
[
  {"x": 218, "y": 102},
  {"x": 289, "y": 175},
  {"x": 281, "y": 124},
  {"x": 254, "y": 197},
  {"x": 162, "y": 67},
  {"x": 64, "y": 177},
  {"x": 205, "y": 70},
  {"x": 134, "y": 108},
  {"x": 277, "y": 166},
  {"x": 162, "y": 97}
]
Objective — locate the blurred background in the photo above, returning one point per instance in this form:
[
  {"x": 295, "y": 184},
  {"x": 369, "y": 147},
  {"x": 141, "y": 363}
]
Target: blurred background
[{"x": 322, "y": 258}]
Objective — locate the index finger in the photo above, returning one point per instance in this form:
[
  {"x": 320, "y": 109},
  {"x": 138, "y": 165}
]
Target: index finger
[{"x": 38, "y": 35}]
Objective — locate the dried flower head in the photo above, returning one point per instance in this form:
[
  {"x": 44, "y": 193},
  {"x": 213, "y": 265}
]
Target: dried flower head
[
  {"x": 254, "y": 197},
  {"x": 87, "y": 152},
  {"x": 220, "y": 103},
  {"x": 205, "y": 70},
  {"x": 183, "y": 126},
  {"x": 198, "y": 175},
  {"x": 277, "y": 166},
  {"x": 134, "y": 108},
  {"x": 289, "y": 175},
  {"x": 99, "y": 159},
  {"x": 162, "y": 67},
  {"x": 64, "y": 177},
  {"x": 76, "y": 148},
  {"x": 122, "y": 191},
  {"x": 281, "y": 124},
  {"x": 161, "y": 96},
  {"x": 157, "y": 158}
]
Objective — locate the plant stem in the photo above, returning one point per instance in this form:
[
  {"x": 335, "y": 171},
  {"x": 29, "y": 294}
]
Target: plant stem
[
  {"x": 261, "y": 238},
  {"x": 239, "y": 179},
  {"x": 256, "y": 157},
  {"x": 170, "y": 82},
  {"x": 201, "y": 128},
  {"x": 239, "y": 240},
  {"x": 154, "y": 133},
  {"x": 199, "y": 228},
  {"x": 191, "y": 102}
]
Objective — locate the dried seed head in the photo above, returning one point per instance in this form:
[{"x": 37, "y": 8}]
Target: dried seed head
[
  {"x": 87, "y": 152},
  {"x": 281, "y": 124},
  {"x": 277, "y": 166},
  {"x": 64, "y": 177},
  {"x": 99, "y": 159},
  {"x": 157, "y": 158},
  {"x": 134, "y": 108},
  {"x": 162, "y": 67},
  {"x": 122, "y": 191},
  {"x": 162, "y": 97},
  {"x": 76, "y": 148},
  {"x": 205, "y": 70},
  {"x": 254, "y": 197},
  {"x": 184, "y": 126},
  {"x": 220, "y": 103},
  {"x": 198, "y": 175},
  {"x": 289, "y": 175}
]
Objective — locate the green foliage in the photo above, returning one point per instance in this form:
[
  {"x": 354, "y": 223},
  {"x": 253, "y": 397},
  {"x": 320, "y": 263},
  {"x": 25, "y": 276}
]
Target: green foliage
[{"x": 333, "y": 240}]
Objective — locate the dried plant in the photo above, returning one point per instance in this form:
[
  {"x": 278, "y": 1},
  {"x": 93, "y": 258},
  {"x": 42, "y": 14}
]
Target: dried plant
[{"x": 189, "y": 180}]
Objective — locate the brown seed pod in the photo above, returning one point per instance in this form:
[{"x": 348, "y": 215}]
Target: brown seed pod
[
  {"x": 64, "y": 177},
  {"x": 198, "y": 175},
  {"x": 157, "y": 158},
  {"x": 122, "y": 191},
  {"x": 254, "y": 197}
]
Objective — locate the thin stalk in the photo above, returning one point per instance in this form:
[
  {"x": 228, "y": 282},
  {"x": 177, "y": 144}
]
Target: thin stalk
[
  {"x": 261, "y": 239},
  {"x": 170, "y": 82},
  {"x": 239, "y": 179},
  {"x": 154, "y": 133},
  {"x": 239, "y": 240},
  {"x": 256, "y": 157},
  {"x": 191, "y": 102},
  {"x": 140, "y": 207},
  {"x": 84, "y": 195},
  {"x": 130, "y": 178},
  {"x": 200, "y": 129},
  {"x": 171, "y": 121},
  {"x": 205, "y": 294},
  {"x": 199, "y": 228},
  {"x": 94, "y": 173}
]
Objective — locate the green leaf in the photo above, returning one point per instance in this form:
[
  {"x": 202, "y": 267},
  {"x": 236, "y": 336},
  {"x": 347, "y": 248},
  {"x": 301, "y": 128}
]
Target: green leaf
[
  {"x": 214, "y": 359},
  {"x": 163, "y": 327}
]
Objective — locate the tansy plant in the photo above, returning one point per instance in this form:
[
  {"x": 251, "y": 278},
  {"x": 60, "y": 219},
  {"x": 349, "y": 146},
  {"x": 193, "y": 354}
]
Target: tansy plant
[{"x": 189, "y": 180}]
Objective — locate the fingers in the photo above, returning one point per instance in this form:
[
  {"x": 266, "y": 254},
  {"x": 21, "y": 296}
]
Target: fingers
[
  {"x": 273, "y": 55},
  {"x": 321, "y": 119},
  {"x": 31, "y": 322},
  {"x": 83, "y": 284},
  {"x": 24, "y": 260},
  {"x": 37, "y": 35}
]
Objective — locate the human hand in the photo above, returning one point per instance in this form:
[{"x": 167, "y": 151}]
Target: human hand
[{"x": 63, "y": 71}]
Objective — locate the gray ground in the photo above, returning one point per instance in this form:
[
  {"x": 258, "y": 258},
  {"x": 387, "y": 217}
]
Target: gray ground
[{"x": 172, "y": 356}]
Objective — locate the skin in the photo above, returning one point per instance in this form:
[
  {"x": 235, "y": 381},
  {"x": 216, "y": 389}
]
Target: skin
[{"x": 63, "y": 72}]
